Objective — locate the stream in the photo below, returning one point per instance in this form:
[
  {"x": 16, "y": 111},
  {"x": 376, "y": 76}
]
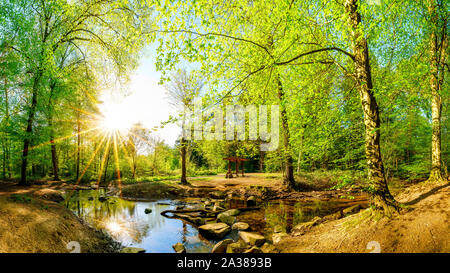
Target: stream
[{"x": 126, "y": 221}]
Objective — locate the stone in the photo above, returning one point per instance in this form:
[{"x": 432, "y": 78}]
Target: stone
[
  {"x": 221, "y": 247},
  {"x": 179, "y": 248},
  {"x": 197, "y": 220},
  {"x": 252, "y": 238},
  {"x": 251, "y": 201},
  {"x": 218, "y": 194},
  {"x": 132, "y": 250},
  {"x": 224, "y": 218},
  {"x": 240, "y": 226},
  {"x": 254, "y": 249},
  {"x": 351, "y": 210},
  {"x": 237, "y": 247},
  {"x": 277, "y": 237},
  {"x": 232, "y": 212},
  {"x": 214, "y": 230},
  {"x": 180, "y": 207},
  {"x": 147, "y": 211}
]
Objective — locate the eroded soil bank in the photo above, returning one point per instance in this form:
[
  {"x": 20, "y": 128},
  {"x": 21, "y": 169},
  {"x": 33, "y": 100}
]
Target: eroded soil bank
[{"x": 33, "y": 220}]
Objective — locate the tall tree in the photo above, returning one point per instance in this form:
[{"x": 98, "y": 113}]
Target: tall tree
[
  {"x": 438, "y": 16},
  {"x": 183, "y": 89}
]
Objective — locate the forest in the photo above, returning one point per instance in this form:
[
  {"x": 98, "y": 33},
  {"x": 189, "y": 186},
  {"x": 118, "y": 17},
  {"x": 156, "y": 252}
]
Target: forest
[{"x": 361, "y": 87}]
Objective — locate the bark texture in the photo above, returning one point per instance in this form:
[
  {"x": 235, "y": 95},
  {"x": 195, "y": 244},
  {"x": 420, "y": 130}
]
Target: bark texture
[{"x": 381, "y": 198}]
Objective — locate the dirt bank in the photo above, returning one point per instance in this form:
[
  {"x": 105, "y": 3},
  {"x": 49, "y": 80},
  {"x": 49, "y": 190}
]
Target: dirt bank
[
  {"x": 424, "y": 226},
  {"x": 264, "y": 186},
  {"x": 31, "y": 222}
]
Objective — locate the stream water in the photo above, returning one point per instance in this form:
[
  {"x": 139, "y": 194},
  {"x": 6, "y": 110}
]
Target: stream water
[{"x": 127, "y": 222}]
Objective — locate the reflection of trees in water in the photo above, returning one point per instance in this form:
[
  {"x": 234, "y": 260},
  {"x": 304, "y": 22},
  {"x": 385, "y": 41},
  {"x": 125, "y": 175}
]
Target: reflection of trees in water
[{"x": 288, "y": 214}]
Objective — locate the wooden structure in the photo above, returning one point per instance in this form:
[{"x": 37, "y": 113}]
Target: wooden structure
[{"x": 238, "y": 161}]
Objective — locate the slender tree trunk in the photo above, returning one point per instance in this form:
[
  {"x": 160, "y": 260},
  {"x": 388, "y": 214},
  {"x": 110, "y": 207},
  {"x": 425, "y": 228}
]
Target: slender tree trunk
[
  {"x": 262, "y": 154},
  {"x": 289, "y": 170},
  {"x": 436, "y": 80},
  {"x": 183, "y": 161},
  {"x": 183, "y": 144},
  {"x": 6, "y": 143},
  {"x": 381, "y": 198},
  {"x": 52, "y": 135},
  {"x": 78, "y": 146},
  {"x": 300, "y": 155},
  {"x": 29, "y": 129}
]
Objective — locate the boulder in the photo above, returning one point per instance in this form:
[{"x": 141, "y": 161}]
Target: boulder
[
  {"x": 277, "y": 237},
  {"x": 147, "y": 211},
  {"x": 240, "y": 226},
  {"x": 232, "y": 212},
  {"x": 218, "y": 194},
  {"x": 132, "y": 250},
  {"x": 252, "y": 238},
  {"x": 221, "y": 247},
  {"x": 214, "y": 230},
  {"x": 198, "y": 220},
  {"x": 237, "y": 247},
  {"x": 251, "y": 201},
  {"x": 179, "y": 248},
  {"x": 224, "y": 218}
]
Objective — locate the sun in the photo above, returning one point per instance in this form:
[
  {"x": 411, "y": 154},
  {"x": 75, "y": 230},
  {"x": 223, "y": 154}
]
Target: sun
[{"x": 115, "y": 119}]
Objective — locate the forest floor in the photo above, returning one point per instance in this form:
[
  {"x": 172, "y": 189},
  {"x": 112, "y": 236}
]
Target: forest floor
[
  {"x": 264, "y": 186},
  {"x": 32, "y": 220},
  {"x": 424, "y": 226}
]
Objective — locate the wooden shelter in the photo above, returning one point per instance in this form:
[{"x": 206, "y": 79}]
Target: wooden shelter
[{"x": 238, "y": 161}]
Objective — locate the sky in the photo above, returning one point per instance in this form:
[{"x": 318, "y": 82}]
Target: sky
[{"x": 146, "y": 101}]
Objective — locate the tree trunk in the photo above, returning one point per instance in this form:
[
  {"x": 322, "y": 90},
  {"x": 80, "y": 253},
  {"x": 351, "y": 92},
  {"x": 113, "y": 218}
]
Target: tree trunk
[
  {"x": 29, "y": 129},
  {"x": 381, "y": 198},
  {"x": 288, "y": 179},
  {"x": 261, "y": 160},
  {"x": 52, "y": 135},
  {"x": 78, "y": 146},
  {"x": 300, "y": 155},
  {"x": 436, "y": 81},
  {"x": 6, "y": 142}
]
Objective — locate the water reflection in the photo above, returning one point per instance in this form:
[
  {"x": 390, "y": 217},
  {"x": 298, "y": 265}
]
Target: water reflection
[{"x": 127, "y": 222}]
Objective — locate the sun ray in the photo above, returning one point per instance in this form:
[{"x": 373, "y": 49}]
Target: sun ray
[
  {"x": 116, "y": 159},
  {"x": 87, "y": 165},
  {"x": 105, "y": 155},
  {"x": 124, "y": 148},
  {"x": 62, "y": 138}
]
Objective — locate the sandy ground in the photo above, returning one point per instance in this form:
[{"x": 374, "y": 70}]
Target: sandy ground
[
  {"x": 39, "y": 224},
  {"x": 424, "y": 226}
]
